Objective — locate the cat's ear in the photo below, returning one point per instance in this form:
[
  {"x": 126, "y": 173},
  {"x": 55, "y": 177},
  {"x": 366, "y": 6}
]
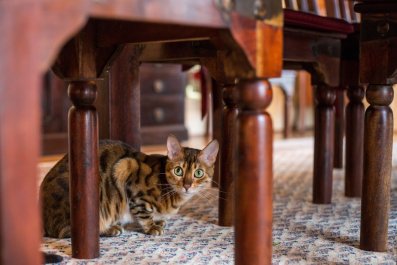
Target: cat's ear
[
  {"x": 208, "y": 154},
  {"x": 174, "y": 148}
]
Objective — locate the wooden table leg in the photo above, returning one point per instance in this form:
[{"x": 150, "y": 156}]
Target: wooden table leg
[
  {"x": 84, "y": 170},
  {"x": 323, "y": 144},
  {"x": 217, "y": 126},
  {"x": 354, "y": 142},
  {"x": 253, "y": 197},
  {"x": 119, "y": 100},
  {"x": 228, "y": 158},
  {"x": 339, "y": 128},
  {"x": 378, "y": 144},
  {"x": 20, "y": 231}
]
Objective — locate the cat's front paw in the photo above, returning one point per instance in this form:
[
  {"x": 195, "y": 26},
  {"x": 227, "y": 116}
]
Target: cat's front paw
[
  {"x": 160, "y": 223},
  {"x": 156, "y": 230},
  {"x": 115, "y": 230},
  {"x": 131, "y": 227}
]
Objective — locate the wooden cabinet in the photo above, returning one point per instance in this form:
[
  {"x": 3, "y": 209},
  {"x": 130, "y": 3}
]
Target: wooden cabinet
[
  {"x": 162, "y": 103},
  {"x": 162, "y": 107}
]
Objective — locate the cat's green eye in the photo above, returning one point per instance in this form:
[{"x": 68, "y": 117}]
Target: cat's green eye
[
  {"x": 178, "y": 171},
  {"x": 199, "y": 173}
]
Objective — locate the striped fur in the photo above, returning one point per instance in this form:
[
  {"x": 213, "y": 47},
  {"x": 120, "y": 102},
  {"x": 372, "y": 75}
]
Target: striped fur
[{"x": 133, "y": 186}]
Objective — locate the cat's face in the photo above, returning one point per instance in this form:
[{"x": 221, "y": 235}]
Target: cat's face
[{"x": 189, "y": 170}]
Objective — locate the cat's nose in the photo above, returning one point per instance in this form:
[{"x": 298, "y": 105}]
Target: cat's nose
[{"x": 187, "y": 187}]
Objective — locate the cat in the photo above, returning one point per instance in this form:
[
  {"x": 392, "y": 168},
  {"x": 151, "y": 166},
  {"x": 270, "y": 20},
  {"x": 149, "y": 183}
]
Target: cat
[{"x": 133, "y": 187}]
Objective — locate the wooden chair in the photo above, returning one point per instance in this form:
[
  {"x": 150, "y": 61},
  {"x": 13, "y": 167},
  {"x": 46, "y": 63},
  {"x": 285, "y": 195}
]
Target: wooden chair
[
  {"x": 340, "y": 19},
  {"x": 378, "y": 67},
  {"x": 326, "y": 47}
]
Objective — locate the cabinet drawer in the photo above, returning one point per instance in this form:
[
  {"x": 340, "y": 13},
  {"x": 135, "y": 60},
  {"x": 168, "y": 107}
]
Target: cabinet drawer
[
  {"x": 162, "y": 110},
  {"x": 162, "y": 82}
]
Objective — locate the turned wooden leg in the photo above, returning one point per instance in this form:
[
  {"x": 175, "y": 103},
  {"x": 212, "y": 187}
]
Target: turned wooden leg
[
  {"x": 228, "y": 158},
  {"x": 378, "y": 144},
  {"x": 354, "y": 142},
  {"x": 20, "y": 228},
  {"x": 323, "y": 144},
  {"x": 217, "y": 107},
  {"x": 84, "y": 171},
  {"x": 253, "y": 193},
  {"x": 287, "y": 115},
  {"x": 339, "y": 128}
]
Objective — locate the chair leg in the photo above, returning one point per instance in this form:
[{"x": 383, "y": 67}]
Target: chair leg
[
  {"x": 339, "y": 128},
  {"x": 84, "y": 170},
  {"x": 253, "y": 201},
  {"x": 228, "y": 157},
  {"x": 287, "y": 115},
  {"x": 354, "y": 142},
  {"x": 378, "y": 143},
  {"x": 323, "y": 144}
]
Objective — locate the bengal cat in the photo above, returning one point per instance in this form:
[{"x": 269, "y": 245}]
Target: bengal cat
[{"x": 133, "y": 187}]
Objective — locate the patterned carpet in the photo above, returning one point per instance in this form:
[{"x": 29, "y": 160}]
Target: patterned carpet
[{"x": 303, "y": 233}]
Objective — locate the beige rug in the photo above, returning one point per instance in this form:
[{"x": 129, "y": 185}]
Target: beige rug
[{"x": 303, "y": 233}]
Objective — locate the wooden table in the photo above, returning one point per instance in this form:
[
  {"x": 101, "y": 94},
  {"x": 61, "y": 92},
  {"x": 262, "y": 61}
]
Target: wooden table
[{"x": 228, "y": 41}]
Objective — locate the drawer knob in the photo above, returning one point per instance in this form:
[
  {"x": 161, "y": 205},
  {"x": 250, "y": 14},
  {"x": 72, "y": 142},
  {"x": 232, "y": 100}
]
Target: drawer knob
[
  {"x": 159, "y": 114},
  {"x": 158, "y": 86}
]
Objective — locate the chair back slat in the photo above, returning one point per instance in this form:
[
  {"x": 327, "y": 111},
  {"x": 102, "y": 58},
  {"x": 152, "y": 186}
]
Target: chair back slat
[
  {"x": 340, "y": 9},
  {"x": 291, "y": 4},
  {"x": 355, "y": 17},
  {"x": 345, "y": 11},
  {"x": 333, "y": 9},
  {"x": 304, "y": 6},
  {"x": 314, "y": 7}
]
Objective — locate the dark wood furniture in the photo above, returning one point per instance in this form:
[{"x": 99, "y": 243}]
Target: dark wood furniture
[
  {"x": 377, "y": 70},
  {"x": 162, "y": 103},
  {"x": 329, "y": 56},
  {"x": 231, "y": 44},
  {"x": 37, "y": 34},
  {"x": 326, "y": 47},
  {"x": 162, "y": 108}
]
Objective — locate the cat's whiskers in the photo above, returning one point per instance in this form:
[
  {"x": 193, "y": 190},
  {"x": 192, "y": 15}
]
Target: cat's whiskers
[
  {"x": 206, "y": 195},
  {"x": 210, "y": 188},
  {"x": 215, "y": 182},
  {"x": 171, "y": 192},
  {"x": 209, "y": 198},
  {"x": 211, "y": 195}
]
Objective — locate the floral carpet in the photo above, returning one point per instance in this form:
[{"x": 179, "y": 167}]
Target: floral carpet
[{"x": 303, "y": 233}]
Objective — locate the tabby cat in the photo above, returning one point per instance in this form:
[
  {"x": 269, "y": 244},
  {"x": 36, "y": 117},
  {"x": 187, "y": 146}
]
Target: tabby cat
[{"x": 133, "y": 187}]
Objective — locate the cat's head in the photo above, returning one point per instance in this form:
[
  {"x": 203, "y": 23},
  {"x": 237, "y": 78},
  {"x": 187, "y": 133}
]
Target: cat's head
[{"x": 189, "y": 170}]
